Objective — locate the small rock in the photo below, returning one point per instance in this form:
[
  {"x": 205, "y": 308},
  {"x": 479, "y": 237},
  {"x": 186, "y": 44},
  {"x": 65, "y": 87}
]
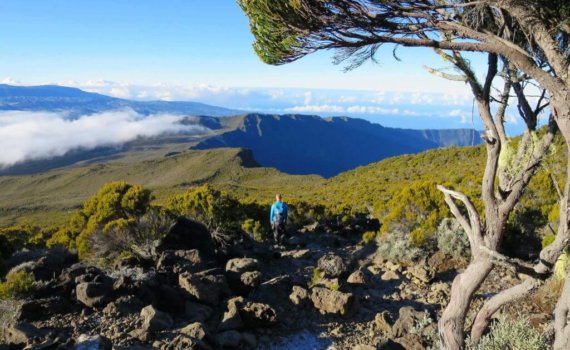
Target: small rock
[
  {"x": 332, "y": 265},
  {"x": 231, "y": 319},
  {"x": 241, "y": 265},
  {"x": 209, "y": 289},
  {"x": 250, "y": 279},
  {"x": 299, "y": 296},
  {"x": 155, "y": 320},
  {"x": 196, "y": 330},
  {"x": 382, "y": 324},
  {"x": 229, "y": 339},
  {"x": 390, "y": 266},
  {"x": 123, "y": 306},
  {"x": 21, "y": 333},
  {"x": 333, "y": 302},
  {"x": 140, "y": 334},
  {"x": 420, "y": 274},
  {"x": 374, "y": 269},
  {"x": 36, "y": 309},
  {"x": 257, "y": 315},
  {"x": 411, "y": 342},
  {"x": 296, "y": 254},
  {"x": 96, "y": 342},
  {"x": 390, "y": 276},
  {"x": 180, "y": 342},
  {"x": 408, "y": 317},
  {"x": 93, "y": 294},
  {"x": 180, "y": 260},
  {"x": 357, "y": 277}
]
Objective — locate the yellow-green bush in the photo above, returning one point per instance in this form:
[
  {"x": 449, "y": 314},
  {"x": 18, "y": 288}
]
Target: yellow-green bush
[
  {"x": 17, "y": 285},
  {"x": 369, "y": 236},
  {"x": 254, "y": 229},
  {"x": 316, "y": 277},
  {"x": 547, "y": 240},
  {"x": 116, "y": 203},
  {"x": 216, "y": 209},
  {"x": 418, "y": 209}
]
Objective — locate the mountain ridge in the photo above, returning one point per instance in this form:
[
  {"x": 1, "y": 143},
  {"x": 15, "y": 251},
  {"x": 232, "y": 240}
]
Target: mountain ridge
[
  {"x": 79, "y": 102},
  {"x": 304, "y": 144}
]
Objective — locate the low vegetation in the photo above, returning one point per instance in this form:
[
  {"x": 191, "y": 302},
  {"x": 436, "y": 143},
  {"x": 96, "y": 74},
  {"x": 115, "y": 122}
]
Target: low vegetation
[
  {"x": 512, "y": 334},
  {"x": 17, "y": 285}
]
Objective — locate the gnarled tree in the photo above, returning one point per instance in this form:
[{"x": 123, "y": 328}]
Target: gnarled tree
[{"x": 532, "y": 37}]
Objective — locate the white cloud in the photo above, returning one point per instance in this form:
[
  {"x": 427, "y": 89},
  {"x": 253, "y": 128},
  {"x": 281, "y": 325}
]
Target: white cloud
[
  {"x": 38, "y": 135},
  {"x": 347, "y": 99},
  {"x": 10, "y": 81},
  {"x": 316, "y": 109},
  {"x": 372, "y": 110}
]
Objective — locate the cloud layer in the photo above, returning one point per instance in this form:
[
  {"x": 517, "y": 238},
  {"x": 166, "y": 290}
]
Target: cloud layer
[{"x": 39, "y": 135}]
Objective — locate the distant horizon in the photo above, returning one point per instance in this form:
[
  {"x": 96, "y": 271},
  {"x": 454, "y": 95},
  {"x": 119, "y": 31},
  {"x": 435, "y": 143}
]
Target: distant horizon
[{"x": 411, "y": 110}]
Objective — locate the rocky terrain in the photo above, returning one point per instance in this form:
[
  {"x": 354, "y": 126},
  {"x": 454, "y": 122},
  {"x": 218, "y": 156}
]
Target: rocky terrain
[{"x": 321, "y": 289}]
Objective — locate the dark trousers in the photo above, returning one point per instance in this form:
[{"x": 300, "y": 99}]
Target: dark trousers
[{"x": 279, "y": 232}]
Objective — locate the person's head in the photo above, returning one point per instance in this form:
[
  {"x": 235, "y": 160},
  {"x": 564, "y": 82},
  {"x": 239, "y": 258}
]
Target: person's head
[{"x": 278, "y": 197}]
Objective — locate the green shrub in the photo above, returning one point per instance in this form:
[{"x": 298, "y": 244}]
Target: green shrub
[
  {"x": 397, "y": 247},
  {"x": 452, "y": 239},
  {"x": 316, "y": 277},
  {"x": 369, "y": 236},
  {"x": 132, "y": 237},
  {"x": 547, "y": 240},
  {"x": 416, "y": 208},
  {"x": 15, "y": 238},
  {"x": 217, "y": 210},
  {"x": 254, "y": 229},
  {"x": 17, "y": 285},
  {"x": 114, "y": 205},
  {"x": 511, "y": 334}
]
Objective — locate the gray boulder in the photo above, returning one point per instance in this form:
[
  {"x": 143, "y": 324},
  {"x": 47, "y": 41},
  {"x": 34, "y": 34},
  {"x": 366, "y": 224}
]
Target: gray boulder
[
  {"x": 180, "y": 260},
  {"x": 196, "y": 330},
  {"x": 209, "y": 289},
  {"x": 241, "y": 265},
  {"x": 93, "y": 294},
  {"x": 407, "y": 319},
  {"x": 155, "y": 320},
  {"x": 333, "y": 302},
  {"x": 96, "y": 342},
  {"x": 21, "y": 333},
  {"x": 332, "y": 265}
]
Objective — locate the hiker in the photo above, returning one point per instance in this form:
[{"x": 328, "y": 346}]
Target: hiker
[{"x": 278, "y": 218}]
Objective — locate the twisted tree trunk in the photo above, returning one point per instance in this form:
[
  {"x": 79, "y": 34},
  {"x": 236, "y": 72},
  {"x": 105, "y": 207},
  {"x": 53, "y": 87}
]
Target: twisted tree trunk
[
  {"x": 452, "y": 321},
  {"x": 548, "y": 256}
]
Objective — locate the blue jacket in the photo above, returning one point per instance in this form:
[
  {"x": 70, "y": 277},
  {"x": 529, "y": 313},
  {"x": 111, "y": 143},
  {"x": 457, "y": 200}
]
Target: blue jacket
[{"x": 279, "y": 207}]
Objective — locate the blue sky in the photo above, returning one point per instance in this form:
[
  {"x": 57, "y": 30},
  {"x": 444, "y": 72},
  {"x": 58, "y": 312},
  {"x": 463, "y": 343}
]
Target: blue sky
[{"x": 201, "y": 50}]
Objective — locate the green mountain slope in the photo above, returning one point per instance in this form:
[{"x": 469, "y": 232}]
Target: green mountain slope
[
  {"x": 48, "y": 198},
  {"x": 397, "y": 190}
]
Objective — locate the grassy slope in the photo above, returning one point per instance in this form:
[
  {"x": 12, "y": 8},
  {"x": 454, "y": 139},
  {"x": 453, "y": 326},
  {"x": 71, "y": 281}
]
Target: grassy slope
[{"x": 48, "y": 198}]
